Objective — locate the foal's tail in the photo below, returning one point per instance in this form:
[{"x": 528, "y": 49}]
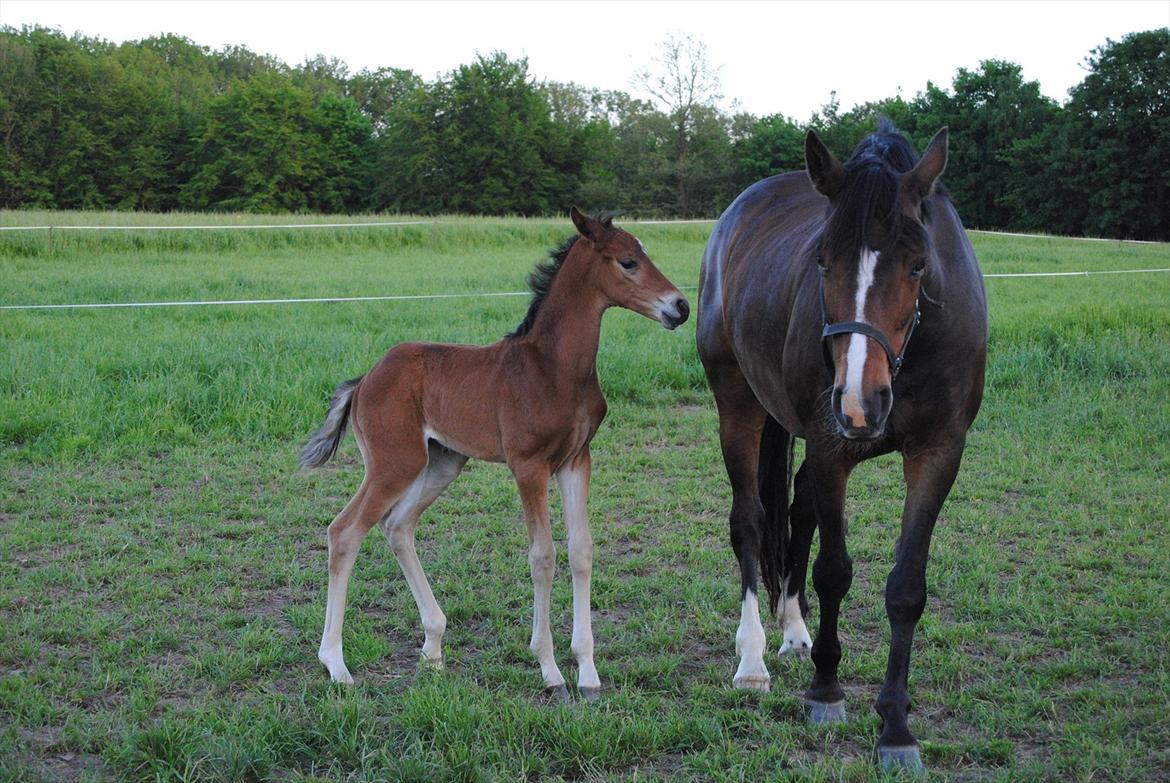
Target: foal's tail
[
  {"x": 323, "y": 445},
  {"x": 775, "y": 479}
]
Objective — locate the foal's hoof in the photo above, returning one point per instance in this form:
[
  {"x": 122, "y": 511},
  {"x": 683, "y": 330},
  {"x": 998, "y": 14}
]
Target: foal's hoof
[
  {"x": 435, "y": 664},
  {"x": 753, "y": 683},
  {"x": 897, "y": 757},
  {"x": 590, "y": 694},
  {"x": 822, "y": 712},
  {"x": 798, "y": 649},
  {"x": 558, "y": 693}
]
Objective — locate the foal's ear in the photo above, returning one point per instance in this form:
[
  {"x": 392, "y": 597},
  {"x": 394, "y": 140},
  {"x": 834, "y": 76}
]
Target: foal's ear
[
  {"x": 589, "y": 227},
  {"x": 825, "y": 171},
  {"x": 918, "y": 182}
]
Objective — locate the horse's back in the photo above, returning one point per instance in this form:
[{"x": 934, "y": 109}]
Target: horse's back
[{"x": 750, "y": 265}]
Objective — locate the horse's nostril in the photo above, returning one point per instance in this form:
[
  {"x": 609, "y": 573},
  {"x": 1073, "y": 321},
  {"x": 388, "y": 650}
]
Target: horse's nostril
[
  {"x": 684, "y": 309},
  {"x": 885, "y": 401}
]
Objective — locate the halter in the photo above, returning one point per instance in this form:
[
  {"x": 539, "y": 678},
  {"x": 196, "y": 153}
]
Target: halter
[{"x": 873, "y": 333}]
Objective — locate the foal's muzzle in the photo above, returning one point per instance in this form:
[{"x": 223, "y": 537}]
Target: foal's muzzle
[{"x": 675, "y": 313}]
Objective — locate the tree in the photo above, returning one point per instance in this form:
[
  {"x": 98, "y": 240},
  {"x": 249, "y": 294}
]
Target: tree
[
  {"x": 269, "y": 146},
  {"x": 990, "y": 110},
  {"x": 1119, "y": 126},
  {"x": 376, "y": 92},
  {"x": 775, "y": 144},
  {"x": 481, "y": 141},
  {"x": 686, "y": 87}
]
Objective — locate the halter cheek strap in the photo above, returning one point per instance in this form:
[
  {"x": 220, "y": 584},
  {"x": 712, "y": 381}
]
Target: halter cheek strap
[{"x": 873, "y": 333}]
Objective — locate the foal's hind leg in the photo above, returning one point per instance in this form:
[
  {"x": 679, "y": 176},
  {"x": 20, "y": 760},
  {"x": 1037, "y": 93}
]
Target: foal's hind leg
[
  {"x": 378, "y": 492},
  {"x": 443, "y": 466}
]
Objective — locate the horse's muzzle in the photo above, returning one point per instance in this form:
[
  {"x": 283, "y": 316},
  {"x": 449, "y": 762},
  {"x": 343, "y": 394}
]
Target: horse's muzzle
[
  {"x": 876, "y": 407},
  {"x": 675, "y": 314}
]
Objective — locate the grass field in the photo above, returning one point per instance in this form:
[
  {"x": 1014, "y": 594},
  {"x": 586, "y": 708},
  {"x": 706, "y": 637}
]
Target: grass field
[{"x": 162, "y": 562}]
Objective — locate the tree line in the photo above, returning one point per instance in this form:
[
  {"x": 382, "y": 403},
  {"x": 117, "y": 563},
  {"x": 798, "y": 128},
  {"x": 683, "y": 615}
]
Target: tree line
[{"x": 165, "y": 124}]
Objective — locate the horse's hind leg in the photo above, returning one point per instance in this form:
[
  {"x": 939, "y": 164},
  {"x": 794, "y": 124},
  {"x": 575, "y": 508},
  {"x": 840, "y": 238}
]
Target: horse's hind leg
[
  {"x": 803, "y": 519},
  {"x": 380, "y": 489},
  {"x": 741, "y": 422},
  {"x": 443, "y": 466}
]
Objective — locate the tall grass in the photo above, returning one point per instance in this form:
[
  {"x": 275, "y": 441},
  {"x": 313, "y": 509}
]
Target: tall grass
[{"x": 161, "y": 562}]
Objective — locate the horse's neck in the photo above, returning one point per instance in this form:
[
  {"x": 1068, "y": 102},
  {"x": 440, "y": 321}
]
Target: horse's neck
[{"x": 568, "y": 325}]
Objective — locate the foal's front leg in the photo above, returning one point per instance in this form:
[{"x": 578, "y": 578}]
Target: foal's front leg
[
  {"x": 532, "y": 482},
  {"x": 574, "y": 483}
]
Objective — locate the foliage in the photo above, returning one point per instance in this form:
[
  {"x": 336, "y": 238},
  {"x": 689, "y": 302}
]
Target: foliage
[
  {"x": 988, "y": 111},
  {"x": 164, "y": 124},
  {"x": 481, "y": 141}
]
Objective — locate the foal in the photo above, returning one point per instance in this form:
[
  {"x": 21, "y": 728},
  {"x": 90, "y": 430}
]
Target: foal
[{"x": 531, "y": 400}]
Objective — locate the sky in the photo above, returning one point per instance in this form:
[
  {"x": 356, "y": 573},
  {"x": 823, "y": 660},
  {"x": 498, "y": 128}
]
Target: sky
[{"x": 773, "y": 57}]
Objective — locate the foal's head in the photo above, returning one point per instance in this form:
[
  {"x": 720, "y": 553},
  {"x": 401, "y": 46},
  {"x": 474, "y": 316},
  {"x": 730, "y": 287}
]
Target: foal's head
[
  {"x": 873, "y": 254},
  {"x": 623, "y": 273}
]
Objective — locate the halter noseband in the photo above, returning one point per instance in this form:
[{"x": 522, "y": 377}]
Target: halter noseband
[{"x": 873, "y": 333}]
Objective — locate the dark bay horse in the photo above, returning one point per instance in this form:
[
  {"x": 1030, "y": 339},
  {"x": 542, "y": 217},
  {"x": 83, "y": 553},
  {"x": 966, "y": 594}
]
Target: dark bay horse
[
  {"x": 842, "y": 305},
  {"x": 531, "y": 400}
]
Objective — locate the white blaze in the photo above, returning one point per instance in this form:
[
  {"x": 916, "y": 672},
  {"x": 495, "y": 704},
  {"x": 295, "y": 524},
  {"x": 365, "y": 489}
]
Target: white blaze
[{"x": 858, "y": 343}]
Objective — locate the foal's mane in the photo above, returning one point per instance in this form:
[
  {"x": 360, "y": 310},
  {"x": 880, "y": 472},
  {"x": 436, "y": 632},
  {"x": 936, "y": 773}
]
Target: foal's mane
[
  {"x": 540, "y": 280},
  {"x": 871, "y": 193}
]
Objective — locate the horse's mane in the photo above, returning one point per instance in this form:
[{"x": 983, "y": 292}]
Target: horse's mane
[
  {"x": 540, "y": 280},
  {"x": 871, "y": 193}
]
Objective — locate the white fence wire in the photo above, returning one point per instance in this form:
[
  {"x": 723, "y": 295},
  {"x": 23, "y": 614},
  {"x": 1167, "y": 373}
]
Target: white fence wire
[{"x": 453, "y": 295}]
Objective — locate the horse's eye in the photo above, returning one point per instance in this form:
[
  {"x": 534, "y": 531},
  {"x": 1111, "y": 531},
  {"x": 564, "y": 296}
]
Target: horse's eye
[
  {"x": 821, "y": 264},
  {"x": 628, "y": 264},
  {"x": 918, "y": 269}
]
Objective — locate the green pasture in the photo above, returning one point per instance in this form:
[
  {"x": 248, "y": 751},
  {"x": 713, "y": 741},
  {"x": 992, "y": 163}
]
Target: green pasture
[{"x": 162, "y": 562}]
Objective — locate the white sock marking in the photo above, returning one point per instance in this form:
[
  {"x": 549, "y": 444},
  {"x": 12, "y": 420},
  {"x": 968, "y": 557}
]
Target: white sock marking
[{"x": 749, "y": 645}]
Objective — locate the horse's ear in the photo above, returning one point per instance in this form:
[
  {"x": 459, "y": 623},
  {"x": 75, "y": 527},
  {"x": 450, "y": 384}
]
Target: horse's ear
[
  {"x": 589, "y": 227},
  {"x": 918, "y": 182},
  {"x": 825, "y": 171}
]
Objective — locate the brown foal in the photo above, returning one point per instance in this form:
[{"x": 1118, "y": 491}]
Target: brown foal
[{"x": 531, "y": 400}]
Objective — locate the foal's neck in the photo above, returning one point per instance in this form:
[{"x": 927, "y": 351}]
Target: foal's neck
[{"x": 568, "y": 325}]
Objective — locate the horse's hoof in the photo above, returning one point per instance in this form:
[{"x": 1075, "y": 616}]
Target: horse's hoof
[
  {"x": 590, "y": 694},
  {"x": 337, "y": 671},
  {"x": 898, "y": 757},
  {"x": 822, "y": 712},
  {"x": 558, "y": 693},
  {"x": 753, "y": 683},
  {"x": 801, "y": 650},
  {"x": 435, "y": 664}
]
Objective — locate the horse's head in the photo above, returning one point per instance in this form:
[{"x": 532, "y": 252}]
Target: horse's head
[
  {"x": 626, "y": 276},
  {"x": 873, "y": 253}
]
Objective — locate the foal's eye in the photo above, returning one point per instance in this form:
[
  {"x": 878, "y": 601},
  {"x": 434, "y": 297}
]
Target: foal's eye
[
  {"x": 918, "y": 269},
  {"x": 628, "y": 264}
]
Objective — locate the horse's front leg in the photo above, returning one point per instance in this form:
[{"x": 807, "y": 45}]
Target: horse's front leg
[
  {"x": 832, "y": 576},
  {"x": 929, "y": 474},
  {"x": 532, "y": 481},
  {"x": 573, "y": 480}
]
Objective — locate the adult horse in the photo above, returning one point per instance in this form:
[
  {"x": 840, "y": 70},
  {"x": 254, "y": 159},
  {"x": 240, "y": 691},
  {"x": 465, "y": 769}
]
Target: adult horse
[{"x": 843, "y": 306}]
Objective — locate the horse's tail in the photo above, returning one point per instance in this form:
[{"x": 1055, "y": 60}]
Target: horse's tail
[
  {"x": 775, "y": 479},
  {"x": 324, "y": 442}
]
